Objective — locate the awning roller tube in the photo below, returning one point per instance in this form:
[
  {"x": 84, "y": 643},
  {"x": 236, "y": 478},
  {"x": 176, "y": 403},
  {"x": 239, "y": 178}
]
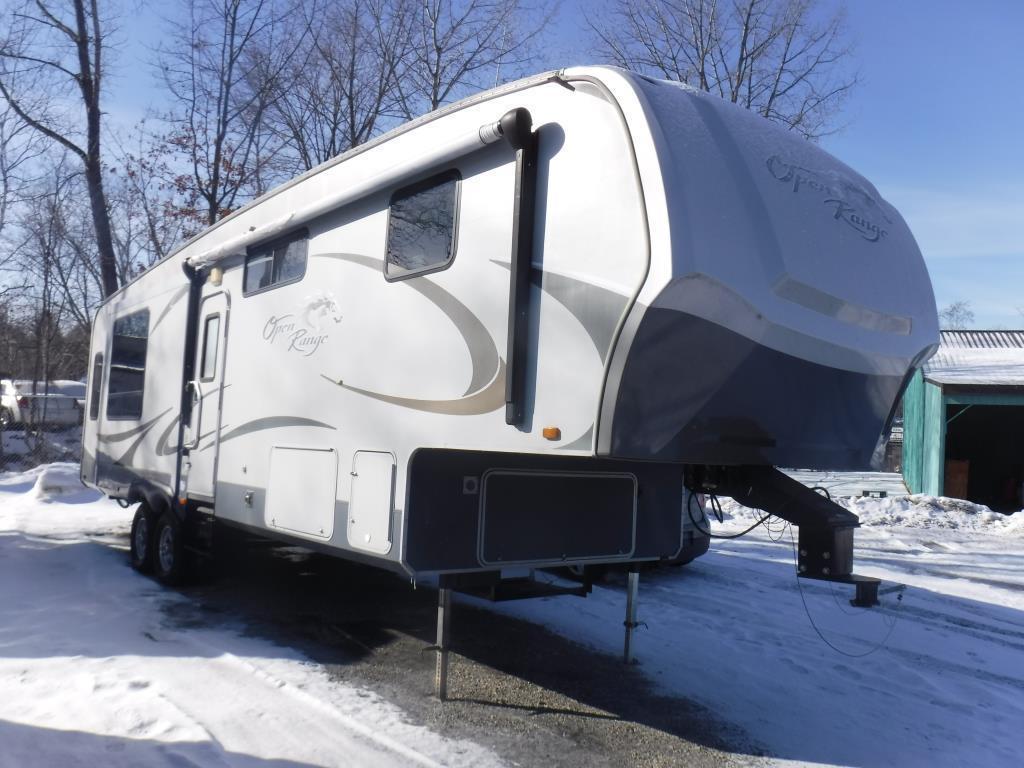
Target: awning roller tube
[{"x": 487, "y": 134}]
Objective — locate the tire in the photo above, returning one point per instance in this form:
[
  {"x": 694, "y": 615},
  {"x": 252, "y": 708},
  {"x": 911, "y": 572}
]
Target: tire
[
  {"x": 169, "y": 550},
  {"x": 142, "y": 539}
]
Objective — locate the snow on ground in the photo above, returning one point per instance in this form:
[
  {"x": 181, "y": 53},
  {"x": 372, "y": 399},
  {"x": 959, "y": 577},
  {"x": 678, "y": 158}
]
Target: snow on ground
[
  {"x": 945, "y": 686},
  {"x": 21, "y": 449},
  {"x": 851, "y": 483},
  {"x": 90, "y": 674}
]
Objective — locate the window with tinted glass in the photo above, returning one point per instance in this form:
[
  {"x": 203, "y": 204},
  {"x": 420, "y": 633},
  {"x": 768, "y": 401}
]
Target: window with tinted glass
[
  {"x": 97, "y": 384},
  {"x": 278, "y": 263},
  {"x": 127, "y": 375},
  {"x": 421, "y": 226},
  {"x": 211, "y": 338}
]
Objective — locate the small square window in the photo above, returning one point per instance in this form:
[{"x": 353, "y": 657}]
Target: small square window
[
  {"x": 290, "y": 262},
  {"x": 259, "y": 270},
  {"x": 422, "y": 226},
  {"x": 278, "y": 263},
  {"x": 211, "y": 340}
]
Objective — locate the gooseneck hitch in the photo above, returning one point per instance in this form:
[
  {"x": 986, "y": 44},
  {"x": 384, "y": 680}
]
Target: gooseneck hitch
[{"x": 825, "y": 543}]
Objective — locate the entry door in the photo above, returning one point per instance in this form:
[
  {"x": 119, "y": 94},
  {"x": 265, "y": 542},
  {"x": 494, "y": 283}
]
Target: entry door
[
  {"x": 94, "y": 401},
  {"x": 206, "y": 391}
]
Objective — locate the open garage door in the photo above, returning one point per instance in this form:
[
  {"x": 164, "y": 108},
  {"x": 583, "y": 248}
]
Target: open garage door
[{"x": 985, "y": 454}]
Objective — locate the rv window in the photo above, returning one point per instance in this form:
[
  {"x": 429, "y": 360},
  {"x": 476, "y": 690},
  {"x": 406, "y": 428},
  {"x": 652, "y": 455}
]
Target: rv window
[
  {"x": 277, "y": 263},
  {"x": 421, "y": 226},
  {"x": 259, "y": 268},
  {"x": 97, "y": 385},
  {"x": 211, "y": 337},
  {"x": 128, "y": 366}
]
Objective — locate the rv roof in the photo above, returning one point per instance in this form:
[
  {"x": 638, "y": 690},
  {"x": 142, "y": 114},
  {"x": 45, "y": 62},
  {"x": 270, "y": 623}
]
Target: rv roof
[{"x": 384, "y": 137}]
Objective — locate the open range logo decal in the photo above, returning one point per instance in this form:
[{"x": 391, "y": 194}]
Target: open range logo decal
[
  {"x": 849, "y": 201},
  {"x": 303, "y": 332}
]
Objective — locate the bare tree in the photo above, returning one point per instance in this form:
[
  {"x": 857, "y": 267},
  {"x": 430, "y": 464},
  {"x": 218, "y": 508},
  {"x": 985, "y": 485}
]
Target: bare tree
[
  {"x": 56, "y": 245},
  {"x": 50, "y": 59},
  {"x": 784, "y": 59},
  {"x": 146, "y": 216},
  {"x": 463, "y": 45},
  {"x": 957, "y": 316},
  {"x": 17, "y": 150},
  {"x": 222, "y": 73},
  {"x": 342, "y": 87}
]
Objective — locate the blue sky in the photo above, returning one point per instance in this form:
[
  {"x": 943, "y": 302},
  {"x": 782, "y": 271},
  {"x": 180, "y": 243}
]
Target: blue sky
[{"x": 937, "y": 125}]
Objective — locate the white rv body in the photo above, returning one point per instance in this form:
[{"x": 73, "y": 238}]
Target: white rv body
[{"x": 682, "y": 250}]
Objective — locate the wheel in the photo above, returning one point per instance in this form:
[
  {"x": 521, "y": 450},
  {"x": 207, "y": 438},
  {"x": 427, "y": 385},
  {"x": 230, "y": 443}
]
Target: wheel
[
  {"x": 5, "y": 418},
  {"x": 169, "y": 550},
  {"x": 142, "y": 539}
]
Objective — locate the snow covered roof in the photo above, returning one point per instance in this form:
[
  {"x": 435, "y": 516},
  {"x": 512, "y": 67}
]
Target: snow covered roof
[{"x": 993, "y": 358}]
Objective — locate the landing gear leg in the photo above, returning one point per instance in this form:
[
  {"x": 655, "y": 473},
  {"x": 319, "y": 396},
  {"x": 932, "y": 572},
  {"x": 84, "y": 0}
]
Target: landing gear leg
[
  {"x": 632, "y": 587},
  {"x": 444, "y": 621}
]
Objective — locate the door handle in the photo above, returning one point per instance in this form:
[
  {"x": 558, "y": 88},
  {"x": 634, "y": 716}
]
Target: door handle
[{"x": 197, "y": 414}]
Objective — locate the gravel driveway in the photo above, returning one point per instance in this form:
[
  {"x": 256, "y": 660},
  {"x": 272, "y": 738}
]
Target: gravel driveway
[{"x": 536, "y": 698}]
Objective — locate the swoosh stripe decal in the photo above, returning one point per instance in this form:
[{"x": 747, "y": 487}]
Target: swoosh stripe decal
[
  {"x": 129, "y": 455},
  {"x": 117, "y": 437},
  {"x": 162, "y": 448},
  {"x": 583, "y": 442},
  {"x": 489, "y": 399},
  {"x": 170, "y": 304},
  {"x": 597, "y": 309},
  {"x": 488, "y": 376},
  {"x": 272, "y": 422}
]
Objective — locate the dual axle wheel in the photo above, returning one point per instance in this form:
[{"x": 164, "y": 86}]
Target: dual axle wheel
[{"x": 157, "y": 545}]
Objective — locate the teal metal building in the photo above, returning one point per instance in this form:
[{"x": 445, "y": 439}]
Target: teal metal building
[{"x": 963, "y": 420}]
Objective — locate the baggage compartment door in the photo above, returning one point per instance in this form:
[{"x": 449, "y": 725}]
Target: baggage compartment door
[{"x": 372, "y": 501}]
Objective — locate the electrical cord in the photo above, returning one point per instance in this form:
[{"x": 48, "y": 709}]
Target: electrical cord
[
  {"x": 881, "y": 644},
  {"x": 772, "y": 534},
  {"x": 716, "y": 507}
]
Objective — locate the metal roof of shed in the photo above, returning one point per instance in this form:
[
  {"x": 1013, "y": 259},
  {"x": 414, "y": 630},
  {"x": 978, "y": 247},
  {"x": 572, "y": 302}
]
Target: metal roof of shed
[{"x": 983, "y": 358}]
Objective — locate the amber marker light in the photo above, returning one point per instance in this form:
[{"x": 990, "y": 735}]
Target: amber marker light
[{"x": 552, "y": 433}]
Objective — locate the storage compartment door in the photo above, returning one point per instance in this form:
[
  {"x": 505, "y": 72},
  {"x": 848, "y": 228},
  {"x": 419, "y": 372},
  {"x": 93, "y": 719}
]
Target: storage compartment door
[
  {"x": 372, "y": 501},
  {"x": 301, "y": 491},
  {"x": 547, "y": 517}
]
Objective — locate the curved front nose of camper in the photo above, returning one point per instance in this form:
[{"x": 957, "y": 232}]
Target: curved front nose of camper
[
  {"x": 708, "y": 379},
  {"x": 786, "y": 304}
]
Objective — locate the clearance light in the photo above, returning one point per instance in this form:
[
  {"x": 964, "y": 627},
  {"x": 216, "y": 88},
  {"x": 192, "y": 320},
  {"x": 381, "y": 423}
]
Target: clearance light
[{"x": 552, "y": 433}]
